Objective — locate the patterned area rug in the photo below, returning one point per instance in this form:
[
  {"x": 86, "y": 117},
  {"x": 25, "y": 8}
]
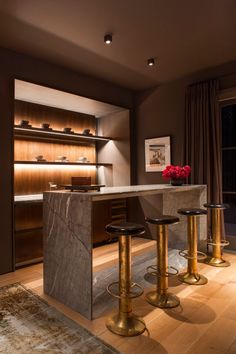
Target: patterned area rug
[{"x": 30, "y": 325}]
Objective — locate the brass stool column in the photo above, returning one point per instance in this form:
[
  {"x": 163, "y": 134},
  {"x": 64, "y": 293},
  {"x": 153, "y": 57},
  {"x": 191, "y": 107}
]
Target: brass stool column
[
  {"x": 192, "y": 276},
  {"x": 160, "y": 297},
  {"x": 216, "y": 241},
  {"x": 125, "y": 323}
]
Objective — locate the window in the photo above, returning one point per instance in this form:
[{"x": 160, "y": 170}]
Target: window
[{"x": 228, "y": 118}]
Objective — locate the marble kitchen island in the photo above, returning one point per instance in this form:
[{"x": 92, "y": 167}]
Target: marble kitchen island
[{"x": 68, "y": 233}]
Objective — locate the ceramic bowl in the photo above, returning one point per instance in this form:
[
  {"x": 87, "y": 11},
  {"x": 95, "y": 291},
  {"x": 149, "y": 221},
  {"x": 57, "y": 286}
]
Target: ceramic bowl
[
  {"x": 24, "y": 122},
  {"x": 82, "y": 159},
  {"x": 39, "y": 157},
  {"x": 86, "y": 131},
  {"x": 67, "y": 130},
  {"x": 45, "y": 125},
  {"x": 61, "y": 158}
]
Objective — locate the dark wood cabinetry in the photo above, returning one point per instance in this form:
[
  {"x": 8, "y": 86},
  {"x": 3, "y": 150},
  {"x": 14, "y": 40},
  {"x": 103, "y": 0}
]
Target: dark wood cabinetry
[
  {"x": 28, "y": 232},
  {"x": 101, "y": 217},
  {"x": 104, "y": 212}
]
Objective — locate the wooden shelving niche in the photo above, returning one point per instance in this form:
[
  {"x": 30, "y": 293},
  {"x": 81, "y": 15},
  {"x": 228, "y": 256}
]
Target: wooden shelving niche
[{"x": 32, "y": 176}]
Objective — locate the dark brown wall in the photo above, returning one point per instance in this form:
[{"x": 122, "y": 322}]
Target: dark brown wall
[
  {"x": 160, "y": 112},
  {"x": 6, "y": 172},
  {"x": 14, "y": 65}
]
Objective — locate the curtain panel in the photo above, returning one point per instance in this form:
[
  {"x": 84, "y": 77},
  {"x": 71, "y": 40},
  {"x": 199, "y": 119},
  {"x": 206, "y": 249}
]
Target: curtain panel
[{"x": 203, "y": 137}]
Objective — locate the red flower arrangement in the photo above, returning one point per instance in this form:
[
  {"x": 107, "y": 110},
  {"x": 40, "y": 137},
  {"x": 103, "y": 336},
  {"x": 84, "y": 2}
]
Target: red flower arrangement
[{"x": 176, "y": 172}]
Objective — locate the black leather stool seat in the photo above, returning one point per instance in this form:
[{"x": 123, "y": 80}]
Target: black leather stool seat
[
  {"x": 216, "y": 205},
  {"x": 192, "y": 211},
  {"x": 162, "y": 219},
  {"x": 125, "y": 228}
]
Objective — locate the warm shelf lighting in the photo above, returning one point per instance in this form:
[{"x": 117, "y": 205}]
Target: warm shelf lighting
[
  {"x": 27, "y": 166},
  {"x": 108, "y": 38},
  {"x": 151, "y": 62},
  {"x": 28, "y": 197},
  {"x": 66, "y": 135}
]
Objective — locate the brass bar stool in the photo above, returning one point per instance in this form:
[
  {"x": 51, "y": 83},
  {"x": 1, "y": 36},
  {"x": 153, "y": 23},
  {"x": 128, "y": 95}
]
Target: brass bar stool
[
  {"x": 192, "y": 276},
  {"x": 216, "y": 237},
  {"x": 125, "y": 323},
  {"x": 160, "y": 297}
]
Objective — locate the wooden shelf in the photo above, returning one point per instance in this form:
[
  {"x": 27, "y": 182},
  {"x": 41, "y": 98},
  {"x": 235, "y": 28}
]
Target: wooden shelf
[
  {"x": 118, "y": 207},
  {"x": 56, "y": 135},
  {"x": 119, "y": 216},
  {"x": 61, "y": 163},
  {"x": 31, "y": 261},
  {"x": 25, "y": 230},
  {"x": 27, "y": 201},
  {"x": 230, "y": 192}
]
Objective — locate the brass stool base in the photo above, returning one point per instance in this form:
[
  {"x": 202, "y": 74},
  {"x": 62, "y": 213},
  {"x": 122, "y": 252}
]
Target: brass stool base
[
  {"x": 192, "y": 279},
  {"x": 127, "y": 326},
  {"x": 163, "y": 301},
  {"x": 217, "y": 262}
]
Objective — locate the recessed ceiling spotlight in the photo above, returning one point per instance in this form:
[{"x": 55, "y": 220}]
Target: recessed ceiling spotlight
[
  {"x": 151, "y": 62},
  {"x": 108, "y": 38}
]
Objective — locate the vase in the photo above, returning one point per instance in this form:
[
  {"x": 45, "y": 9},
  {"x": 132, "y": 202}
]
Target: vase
[{"x": 176, "y": 182}]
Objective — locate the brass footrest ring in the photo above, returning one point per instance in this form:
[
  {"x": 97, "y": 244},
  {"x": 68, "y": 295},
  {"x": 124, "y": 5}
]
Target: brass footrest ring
[
  {"x": 133, "y": 285},
  {"x": 130, "y": 295},
  {"x": 223, "y": 243},
  {"x": 157, "y": 273},
  {"x": 200, "y": 255}
]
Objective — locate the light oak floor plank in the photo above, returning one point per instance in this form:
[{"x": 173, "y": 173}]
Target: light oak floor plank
[{"x": 204, "y": 324}]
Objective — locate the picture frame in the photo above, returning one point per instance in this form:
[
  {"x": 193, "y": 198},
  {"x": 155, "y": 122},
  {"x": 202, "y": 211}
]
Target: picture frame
[{"x": 157, "y": 154}]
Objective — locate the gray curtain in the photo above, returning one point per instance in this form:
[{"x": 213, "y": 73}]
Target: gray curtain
[{"x": 203, "y": 137}]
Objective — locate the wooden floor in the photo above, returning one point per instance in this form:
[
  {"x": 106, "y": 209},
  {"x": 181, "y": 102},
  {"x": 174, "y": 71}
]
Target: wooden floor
[{"x": 205, "y": 323}]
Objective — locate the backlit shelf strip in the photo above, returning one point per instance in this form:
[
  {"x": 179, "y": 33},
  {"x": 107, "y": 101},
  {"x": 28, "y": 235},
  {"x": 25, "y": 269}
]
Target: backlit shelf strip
[
  {"x": 28, "y": 198},
  {"x": 57, "y": 133},
  {"x": 61, "y": 163}
]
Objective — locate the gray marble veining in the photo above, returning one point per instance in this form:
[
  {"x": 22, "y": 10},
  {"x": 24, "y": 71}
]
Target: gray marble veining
[{"x": 68, "y": 250}]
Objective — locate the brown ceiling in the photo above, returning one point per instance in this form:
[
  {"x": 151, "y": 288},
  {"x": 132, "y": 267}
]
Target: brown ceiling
[{"x": 184, "y": 36}]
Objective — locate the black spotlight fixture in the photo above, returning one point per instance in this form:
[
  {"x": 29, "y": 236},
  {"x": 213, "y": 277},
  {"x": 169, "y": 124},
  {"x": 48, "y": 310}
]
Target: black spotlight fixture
[
  {"x": 108, "y": 38},
  {"x": 151, "y": 62}
]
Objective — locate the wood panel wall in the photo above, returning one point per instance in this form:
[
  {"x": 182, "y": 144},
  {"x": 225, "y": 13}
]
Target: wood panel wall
[
  {"x": 56, "y": 117},
  {"x": 28, "y": 150},
  {"x": 32, "y": 179},
  {"x": 35, "y": 179}
]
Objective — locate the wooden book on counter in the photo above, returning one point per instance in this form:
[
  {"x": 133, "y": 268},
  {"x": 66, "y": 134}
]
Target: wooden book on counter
[{"x": 81, "y": 181}]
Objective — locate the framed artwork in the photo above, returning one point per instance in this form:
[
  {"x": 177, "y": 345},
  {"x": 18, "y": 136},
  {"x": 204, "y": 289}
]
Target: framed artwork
[{"x": 157, "y": 154}]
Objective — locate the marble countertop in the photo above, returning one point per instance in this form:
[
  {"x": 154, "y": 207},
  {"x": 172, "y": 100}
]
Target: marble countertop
[{"x": 132, "y": 191}]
